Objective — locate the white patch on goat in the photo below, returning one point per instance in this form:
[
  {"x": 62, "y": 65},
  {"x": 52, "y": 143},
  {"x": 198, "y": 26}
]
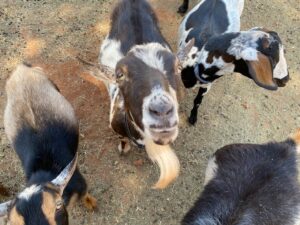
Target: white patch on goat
[
  {"x": 147, "y": 120},
  {"x": 225, "y": 69},
  {"x": 297, "y": 217},
  {"x": 140, "y": 141},
  {"x": 148, "y": 53},
  {"x": 205, "y": 220},
  {"x": 234, "y": 10},
  {"x": 244, "y": 46},
  {"x": 110, "y": 52},
  {"x": 208, "y": 87},
  {"x": 201, "y": 58},
  {"x": 182, "y": 35},
  {"x": 29, "y": 191},
  {"x": 217, "y": 62},
  {"x": 110, "y": 55},
  {"x": 182, "y": 32},
  {"x": 211, "y": 170},
  {"x": 281, "y": 69},
  {"x": 191, "y": 61},
  {"x": 247, "y": 218},
  {"x": 241, "y": 6}
]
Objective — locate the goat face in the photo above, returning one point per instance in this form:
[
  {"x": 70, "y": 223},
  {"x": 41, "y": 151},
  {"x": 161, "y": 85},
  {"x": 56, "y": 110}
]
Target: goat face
[
  {"x": 256, "y": 53},
  {"x": 41, "y": 204},
  {"x": 271, "y": 46},
  {"x": 148, "y": 80},
  {"x": 263, "y": 53}
]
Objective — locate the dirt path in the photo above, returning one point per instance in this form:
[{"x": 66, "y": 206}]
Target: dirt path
[{"x": 235, "y": 110}]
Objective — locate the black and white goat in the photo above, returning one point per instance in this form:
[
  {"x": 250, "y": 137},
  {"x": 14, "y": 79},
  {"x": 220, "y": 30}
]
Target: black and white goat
[
  {"x": 41, "y": 126},
  {"x": 250, "y": 184},
  {"x": 221, "y": 48},
  {"x": 142, "y": 76}
]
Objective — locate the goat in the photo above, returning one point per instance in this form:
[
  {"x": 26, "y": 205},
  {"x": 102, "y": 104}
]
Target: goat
[
  {"x": 221, "y": 48},
  {"x": 142, "y": 76},
  {"x": 42, "y": 128},
  {"x": 250, "y": 184}
]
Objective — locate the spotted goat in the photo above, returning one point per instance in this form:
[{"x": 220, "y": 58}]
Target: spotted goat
[
  {"x": 250, "y": 184},
  {"x": 221, "y": 48},
  {"x": 42, "y": 128},
  {"x": 142, "y": 76}
]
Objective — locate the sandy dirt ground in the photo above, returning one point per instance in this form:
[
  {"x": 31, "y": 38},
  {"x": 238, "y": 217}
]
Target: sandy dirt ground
[{"x": 51, "y": 33}]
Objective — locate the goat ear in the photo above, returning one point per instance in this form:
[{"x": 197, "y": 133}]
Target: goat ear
[
  {"x": 261, "y": 72},
  {"x": 102, "y": 72},
  {"x": 4, "y": 208},
  {"x": 183, "y": 52},
  {"x": 64, "y": 177}
]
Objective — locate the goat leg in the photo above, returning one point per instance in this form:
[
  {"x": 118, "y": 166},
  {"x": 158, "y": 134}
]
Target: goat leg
[
  {"x": 124, "y": 146},
  {"x": 197, "y": 102}
]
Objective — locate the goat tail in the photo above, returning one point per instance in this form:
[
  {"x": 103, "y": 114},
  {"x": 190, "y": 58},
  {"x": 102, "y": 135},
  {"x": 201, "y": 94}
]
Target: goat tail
[
  {"x": 296, "y": 139},
  {"x": 166, "y": 159}
]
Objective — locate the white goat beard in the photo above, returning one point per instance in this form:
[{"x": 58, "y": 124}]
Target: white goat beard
[{"x": 166, "y": 159}]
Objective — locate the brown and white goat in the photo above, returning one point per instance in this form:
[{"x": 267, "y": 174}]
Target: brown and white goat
[
  {"x": 42, "y": 128},
  {"x": 221, "y": 48},
  {"x": 143, "y": 77},
  {"x": 250, "y": 184}
]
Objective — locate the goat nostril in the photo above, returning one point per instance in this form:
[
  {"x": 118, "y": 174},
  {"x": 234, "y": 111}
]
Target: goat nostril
[
  {"x": 161, "y": 110},
  {"x": 170, "y": 111},
  {"x": 154, "y": 112}
]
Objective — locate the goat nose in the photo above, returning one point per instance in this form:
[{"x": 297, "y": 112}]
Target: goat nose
[{"x": 161, "y": 110}]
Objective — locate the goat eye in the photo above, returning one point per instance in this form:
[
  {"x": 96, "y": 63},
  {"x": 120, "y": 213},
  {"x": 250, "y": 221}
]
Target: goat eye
[
  {"x": 59, "y": 204},
  {"x": 120, "y": 75}
]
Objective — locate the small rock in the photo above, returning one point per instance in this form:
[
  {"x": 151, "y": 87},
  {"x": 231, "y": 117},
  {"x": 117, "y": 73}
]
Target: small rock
[{"x": 245, "y": 105}]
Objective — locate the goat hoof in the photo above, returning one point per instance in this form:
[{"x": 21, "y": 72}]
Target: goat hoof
[
  {"x": 192, "y": 120},
  {"x": 89, "y": 202},
  {"x": 182, "y": 9},
  {"x": 124, "y": 147}
]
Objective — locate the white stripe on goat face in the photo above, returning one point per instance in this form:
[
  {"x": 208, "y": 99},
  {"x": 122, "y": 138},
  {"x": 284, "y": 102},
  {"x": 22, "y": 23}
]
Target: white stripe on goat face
[
  {"x": 148, "y": 53},
  {"x": 281, "y": 69},
  {"x": 245, "y": 45},
  {"x": 164, "y": 130},
  {"x": 29, "y": 192}
]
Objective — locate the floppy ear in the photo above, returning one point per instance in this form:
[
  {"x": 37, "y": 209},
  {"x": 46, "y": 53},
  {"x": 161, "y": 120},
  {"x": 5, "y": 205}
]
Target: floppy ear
[
  {"x": 261, "y": 72},
  {"x": 182, "y": 54},
  {"x": 64, "y": 177},
  {"x": 101, "y": 72},
  {"x": 4, "y": 208}
]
